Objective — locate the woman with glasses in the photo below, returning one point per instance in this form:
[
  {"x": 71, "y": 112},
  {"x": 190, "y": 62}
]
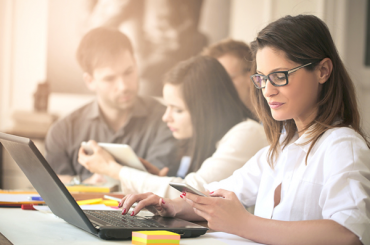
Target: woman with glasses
[{"x": 312, "y": 184}]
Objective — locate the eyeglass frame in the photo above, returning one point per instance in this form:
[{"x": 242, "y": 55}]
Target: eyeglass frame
[{"x": 288, "y": 72}]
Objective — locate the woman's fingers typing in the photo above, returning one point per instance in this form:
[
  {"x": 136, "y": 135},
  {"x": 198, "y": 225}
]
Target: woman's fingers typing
[
  {"x": 145, "y": 200},
  {"x": 150, "y": 201}
]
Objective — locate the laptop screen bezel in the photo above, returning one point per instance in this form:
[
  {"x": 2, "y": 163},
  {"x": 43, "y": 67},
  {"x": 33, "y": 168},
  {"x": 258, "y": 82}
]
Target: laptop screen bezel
[{"x": 45, "y": 181}]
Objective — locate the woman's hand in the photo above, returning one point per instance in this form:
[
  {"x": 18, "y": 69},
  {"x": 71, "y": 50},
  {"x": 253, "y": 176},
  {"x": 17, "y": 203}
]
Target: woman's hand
[
  {"x": 100, "y": 162},
  {"x": 153, "y": 169},
  {"x": 155, "y": 204},
  {"x": 222, "y": 210}
]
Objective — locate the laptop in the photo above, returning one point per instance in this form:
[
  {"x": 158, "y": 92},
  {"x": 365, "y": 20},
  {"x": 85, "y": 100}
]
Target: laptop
[{"x": 108, "y": 225}]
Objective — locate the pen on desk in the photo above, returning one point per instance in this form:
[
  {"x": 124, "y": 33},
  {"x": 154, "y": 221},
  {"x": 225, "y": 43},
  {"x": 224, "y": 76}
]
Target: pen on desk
[
  {"x": 35, "y": 199},
  {"x": 113, "y": 198}
]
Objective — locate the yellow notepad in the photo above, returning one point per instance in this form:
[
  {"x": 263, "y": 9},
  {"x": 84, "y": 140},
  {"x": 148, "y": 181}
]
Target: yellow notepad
[{"x": 155, "y": 237}]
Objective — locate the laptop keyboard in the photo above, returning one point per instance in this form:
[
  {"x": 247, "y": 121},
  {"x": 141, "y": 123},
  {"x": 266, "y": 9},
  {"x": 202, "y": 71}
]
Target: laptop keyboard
[{"x": 115, "y": 218}]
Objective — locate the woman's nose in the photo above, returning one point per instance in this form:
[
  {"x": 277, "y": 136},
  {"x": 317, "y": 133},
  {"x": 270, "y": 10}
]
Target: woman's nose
[
  {"x": 269, "y": 90},
  {"x": 166, "y": 116}
]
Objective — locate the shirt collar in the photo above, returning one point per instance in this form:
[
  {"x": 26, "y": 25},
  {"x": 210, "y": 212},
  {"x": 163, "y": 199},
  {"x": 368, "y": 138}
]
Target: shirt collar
[
  {"x": 304, "y": 139},
  {"x": 94, "y": 110}
]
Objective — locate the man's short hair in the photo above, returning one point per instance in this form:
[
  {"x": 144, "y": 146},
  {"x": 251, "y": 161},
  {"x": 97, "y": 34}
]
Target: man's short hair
[
  {"x": 100, "y": 46},
  {"x": 239, "y": 49}
]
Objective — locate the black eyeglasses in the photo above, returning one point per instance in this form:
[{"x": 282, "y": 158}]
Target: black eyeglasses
[{"x": 277, "y": 78}]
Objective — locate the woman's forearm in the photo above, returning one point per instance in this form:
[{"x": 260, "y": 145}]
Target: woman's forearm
[
  {"x": 297, "y": 232},
  {"x": 114, "y": 170}
]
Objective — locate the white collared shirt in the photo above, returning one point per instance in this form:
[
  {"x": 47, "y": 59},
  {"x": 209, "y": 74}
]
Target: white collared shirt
[
  {"x": 335, "y": 183},
  {"x": 235, "y": 148}
]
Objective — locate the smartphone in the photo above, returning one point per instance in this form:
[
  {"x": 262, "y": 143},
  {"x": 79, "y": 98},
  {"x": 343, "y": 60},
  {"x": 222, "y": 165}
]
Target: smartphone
[{"x": 187, "y": 188}]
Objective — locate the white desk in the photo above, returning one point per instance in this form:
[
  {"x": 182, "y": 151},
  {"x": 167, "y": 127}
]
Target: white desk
[{"x": 24, "y": 227}]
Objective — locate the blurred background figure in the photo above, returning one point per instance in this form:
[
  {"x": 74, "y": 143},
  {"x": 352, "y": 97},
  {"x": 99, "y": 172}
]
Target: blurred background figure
[
  {"x": 172, "y": 36},
  {"x": 163, "y": 31},
  {"x": 125, "y": 15},
  {"x": 116, "y": 115},
  {"x": 236, "y": 57}
]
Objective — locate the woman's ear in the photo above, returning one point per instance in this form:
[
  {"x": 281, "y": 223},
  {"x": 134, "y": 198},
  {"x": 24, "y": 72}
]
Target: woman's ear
[
  {"x": 325, "y": 68},
  {"x": 89, "y": 81}
]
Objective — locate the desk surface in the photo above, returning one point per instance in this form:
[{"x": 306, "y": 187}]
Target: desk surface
[{"x": 35, "y": 228}]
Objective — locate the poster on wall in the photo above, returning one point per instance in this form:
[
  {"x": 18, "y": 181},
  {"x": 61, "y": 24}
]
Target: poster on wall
[{"x": 163, "y": 32}]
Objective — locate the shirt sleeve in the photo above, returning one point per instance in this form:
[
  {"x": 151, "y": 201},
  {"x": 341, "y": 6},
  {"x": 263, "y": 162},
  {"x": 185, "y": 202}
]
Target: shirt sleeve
[
  {"x": 345, "y": 197},
  {"x": 162, "y": 151},
  {"x": 245, "y": 181},
  {"x": 234, "y": 149},
  {"x": 56, "y": 145}
]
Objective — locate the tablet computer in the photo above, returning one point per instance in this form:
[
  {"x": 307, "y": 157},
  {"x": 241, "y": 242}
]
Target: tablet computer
[{"x": 121, "y": 152}]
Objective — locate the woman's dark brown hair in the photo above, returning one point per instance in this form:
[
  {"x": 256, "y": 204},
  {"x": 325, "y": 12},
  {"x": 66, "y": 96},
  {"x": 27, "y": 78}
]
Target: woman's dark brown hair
[
  {"x": 305, "y": 39},
  {"x": 212, "y": 101}
]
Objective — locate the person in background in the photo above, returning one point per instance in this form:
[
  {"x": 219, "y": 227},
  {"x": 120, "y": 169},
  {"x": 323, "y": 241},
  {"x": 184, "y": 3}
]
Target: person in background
[
  {"x": 118, "y": 115},
  {"x": 236, "y": 57},
  {"x": 312, "y": 184},
  {"x": 172, "y": 34},
  {"x": 203, "y": 107}
]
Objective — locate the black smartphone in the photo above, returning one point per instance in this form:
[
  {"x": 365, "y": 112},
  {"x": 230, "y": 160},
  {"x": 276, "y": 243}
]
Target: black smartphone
[{"x": 187, "y": 188}]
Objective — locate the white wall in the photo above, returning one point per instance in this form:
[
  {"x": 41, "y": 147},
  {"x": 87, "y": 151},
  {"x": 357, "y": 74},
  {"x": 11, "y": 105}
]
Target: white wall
[
  {"x": 355, "y": 57},
  {"x": 6, "y": 10},
  {"x": 248, "y": 17},
  {"x": 214, "y": 20},
  {"x": 23, "y": 53}
]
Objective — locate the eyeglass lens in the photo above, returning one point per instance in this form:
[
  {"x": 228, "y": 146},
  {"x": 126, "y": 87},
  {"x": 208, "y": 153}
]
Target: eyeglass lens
[{"x": 278, "y": 78}]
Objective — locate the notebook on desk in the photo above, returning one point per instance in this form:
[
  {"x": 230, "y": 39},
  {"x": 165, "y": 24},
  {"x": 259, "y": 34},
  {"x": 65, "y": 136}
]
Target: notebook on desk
[{"x": 109, "y": 225}]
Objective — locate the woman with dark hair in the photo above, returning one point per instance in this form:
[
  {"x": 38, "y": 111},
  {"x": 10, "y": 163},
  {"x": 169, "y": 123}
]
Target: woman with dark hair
[
  {"x": 312, "y": 184},
  {"x": 203, "y": 108}
]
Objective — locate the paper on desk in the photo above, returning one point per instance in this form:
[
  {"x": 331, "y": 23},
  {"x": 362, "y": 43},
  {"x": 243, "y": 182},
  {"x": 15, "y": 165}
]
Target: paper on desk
[
  {"x": 230, "y": 238},
  {"x": 16, "y": 198},
  {"x": 83, "y": 207}
]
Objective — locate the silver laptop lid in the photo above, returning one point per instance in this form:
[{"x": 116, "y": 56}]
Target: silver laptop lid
[{"x": 45, "y": 181}]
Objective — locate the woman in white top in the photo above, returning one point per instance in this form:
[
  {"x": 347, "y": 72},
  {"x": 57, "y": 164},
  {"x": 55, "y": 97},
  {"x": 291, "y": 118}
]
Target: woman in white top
[
  {"x": 312, "y": 184},
  {"x": 203, "y": 107}
]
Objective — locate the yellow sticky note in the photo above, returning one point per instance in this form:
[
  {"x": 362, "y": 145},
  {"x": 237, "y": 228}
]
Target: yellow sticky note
[
  {"x": 110, "y": 203},
  {"x": 90, "y": 201}
]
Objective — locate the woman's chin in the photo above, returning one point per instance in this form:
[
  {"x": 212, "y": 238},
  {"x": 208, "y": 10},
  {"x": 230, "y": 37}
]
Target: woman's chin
[
  {"x": 280, "y": 117},
  {"x": 179, "y": 136}
]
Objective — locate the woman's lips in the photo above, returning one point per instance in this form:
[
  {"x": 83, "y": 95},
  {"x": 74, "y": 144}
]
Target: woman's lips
[
  {"x": 171, "y": 128},
  {"x": 275, "y": 105}
]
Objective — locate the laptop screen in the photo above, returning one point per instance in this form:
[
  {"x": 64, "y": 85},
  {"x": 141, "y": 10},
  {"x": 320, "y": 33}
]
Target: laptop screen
[{"x": 45, "y": 181}]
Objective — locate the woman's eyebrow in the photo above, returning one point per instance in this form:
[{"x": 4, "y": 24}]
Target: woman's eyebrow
[
  {"x": 174, "y": 106},
  {"x": 276, "y": 69}
]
